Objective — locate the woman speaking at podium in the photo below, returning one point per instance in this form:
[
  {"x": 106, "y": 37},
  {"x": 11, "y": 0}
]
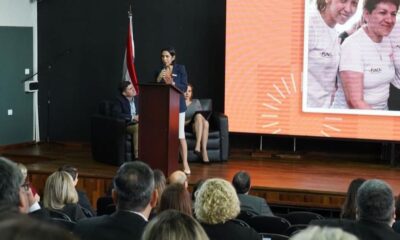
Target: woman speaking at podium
[{"x": 175, "y": 74}]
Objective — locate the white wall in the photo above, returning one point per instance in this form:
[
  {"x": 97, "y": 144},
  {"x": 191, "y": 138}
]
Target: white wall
[{"x": 23, "y": 13}]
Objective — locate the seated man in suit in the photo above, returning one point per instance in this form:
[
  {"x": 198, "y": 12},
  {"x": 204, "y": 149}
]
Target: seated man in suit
[
  {"x": 375, "y": 213},
  {"x": 127, "y": 108},
  {"x": 134, "y": 196},
  {"x": 15, "y": 194},
  {"x": 241, "y": 181}
]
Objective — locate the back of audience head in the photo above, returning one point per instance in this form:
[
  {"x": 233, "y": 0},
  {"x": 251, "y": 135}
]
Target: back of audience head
[
  {"x": 324, "y": 233},
  {"x": 349, "y": 206},
  {"x": 172, "y": 224},
  {"x": 375, "y": 202},
  {"x": 178, "y": 177},
  {"x": 159, "y": 181},
  {"x": 241, "y": 181},
  {"x": 59, "y": 190},
  {"x": 72, "y": 171},
  {"x": 134, "y": 187},
  {"x": 12, "y": 194},
  {"x": 216, "y": 202},
  {"x": 23, "y": 227},
  {"x": 176, "y": 196}
]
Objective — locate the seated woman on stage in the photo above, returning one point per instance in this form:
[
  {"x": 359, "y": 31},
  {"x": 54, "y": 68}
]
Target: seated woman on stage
[
  {"x": 198, "y": 123},
  {"x": 60, "y": 196}
]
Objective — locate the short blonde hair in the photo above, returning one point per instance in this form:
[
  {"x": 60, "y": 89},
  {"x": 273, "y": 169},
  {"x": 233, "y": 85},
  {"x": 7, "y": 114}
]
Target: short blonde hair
[
  {"x": 324, "y": 233},
  {"x": 23, "y": 169},
  {"x": 59, "y": 190},
  {"x": 216, "y": 202}
]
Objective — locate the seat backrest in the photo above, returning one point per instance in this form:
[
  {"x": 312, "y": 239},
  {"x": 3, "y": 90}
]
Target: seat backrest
[
  {"x": 58, "y": 214},
  {"x": 245, "y": 215},
  {"x": 206, "y": 104},
  {"x": 269, "y": 224},
  {"x": 302, "y": 217},
  {"x": 273, "y": 236},
  {"x": 106, "y": 107}
]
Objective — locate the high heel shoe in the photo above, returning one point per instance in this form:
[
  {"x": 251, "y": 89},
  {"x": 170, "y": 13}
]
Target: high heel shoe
[{"x": 197, "y": 153}]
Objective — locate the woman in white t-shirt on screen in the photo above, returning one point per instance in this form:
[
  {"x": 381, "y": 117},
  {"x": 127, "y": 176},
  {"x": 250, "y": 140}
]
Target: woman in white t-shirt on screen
[
  {"x": 324, "y": 49},
  {"x": 366, "y": 66}
]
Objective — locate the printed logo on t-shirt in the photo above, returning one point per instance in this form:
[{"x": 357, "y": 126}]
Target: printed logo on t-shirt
[
  {"x": 326, "y": 54},
  {"x": 375, "y": 70}
]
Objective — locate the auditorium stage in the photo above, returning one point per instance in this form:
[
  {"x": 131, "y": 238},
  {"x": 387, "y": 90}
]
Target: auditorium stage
[{"x": 314, "y": 180}]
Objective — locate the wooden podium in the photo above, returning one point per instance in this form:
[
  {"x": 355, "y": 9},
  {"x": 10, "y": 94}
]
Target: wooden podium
[{"x": 158, "y": 126}]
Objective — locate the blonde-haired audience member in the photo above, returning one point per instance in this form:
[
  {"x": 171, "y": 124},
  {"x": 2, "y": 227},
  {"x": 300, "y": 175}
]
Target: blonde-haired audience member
[
  {"x": 172, "y": 224},
  {"x": 24, "y": 172},
  {"x": 324, "y": 233},
  {"x": 60, "y": 195},
  {"x": 216, "y": 207}
]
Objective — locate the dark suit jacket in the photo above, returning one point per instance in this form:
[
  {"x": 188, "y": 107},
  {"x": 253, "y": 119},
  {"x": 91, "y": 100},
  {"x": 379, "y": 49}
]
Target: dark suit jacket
[
  {"x": 230, "y": 230},
  {"x": 179, "y": 76},
  {"x": 122, "y": 108},
  {"x": 255, "y": 204},
  {"x": 363, "y": 229},
  {"x": 120, "y": 225}
]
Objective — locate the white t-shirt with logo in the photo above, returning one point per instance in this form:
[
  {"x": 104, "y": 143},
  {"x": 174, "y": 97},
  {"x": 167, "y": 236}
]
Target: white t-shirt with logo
[
  {"x": 375, "y": 60},
  {"x": 395, "y": 43},
  {"x": 323, "y": 62}
]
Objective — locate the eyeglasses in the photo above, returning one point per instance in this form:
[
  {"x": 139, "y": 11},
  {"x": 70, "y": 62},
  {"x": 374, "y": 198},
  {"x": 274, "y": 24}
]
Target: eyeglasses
[{"x": 25, "y": 186}]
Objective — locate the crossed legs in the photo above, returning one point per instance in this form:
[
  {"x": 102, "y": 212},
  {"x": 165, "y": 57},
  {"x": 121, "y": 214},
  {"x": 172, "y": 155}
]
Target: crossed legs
[{"x": 201, "y": 129}]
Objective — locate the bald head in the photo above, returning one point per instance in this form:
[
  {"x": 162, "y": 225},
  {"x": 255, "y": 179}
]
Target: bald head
[{"x": 178, "y": 177}]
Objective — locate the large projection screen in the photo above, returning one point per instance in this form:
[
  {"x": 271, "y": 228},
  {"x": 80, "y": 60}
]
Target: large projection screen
[{"x": 265, "y": 52}]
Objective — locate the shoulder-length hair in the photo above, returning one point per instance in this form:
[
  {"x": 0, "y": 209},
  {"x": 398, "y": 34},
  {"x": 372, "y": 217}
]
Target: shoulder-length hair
[
  {"x": 59, "y": 190},
  {"x": 176, "y": 196}
]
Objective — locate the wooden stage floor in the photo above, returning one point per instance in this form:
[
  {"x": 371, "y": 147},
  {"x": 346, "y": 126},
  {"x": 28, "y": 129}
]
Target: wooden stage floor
[{"x": 315, "y": 180}]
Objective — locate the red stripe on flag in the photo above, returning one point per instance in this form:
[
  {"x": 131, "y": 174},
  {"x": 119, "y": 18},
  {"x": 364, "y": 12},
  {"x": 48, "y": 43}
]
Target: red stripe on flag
[{"x": 130, "y": 58}]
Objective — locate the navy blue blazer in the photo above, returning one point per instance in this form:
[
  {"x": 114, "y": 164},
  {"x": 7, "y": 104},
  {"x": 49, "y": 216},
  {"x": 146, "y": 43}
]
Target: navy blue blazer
[
  {"x": 122, "y": 108},
  {"x": 179, "y": 76}
]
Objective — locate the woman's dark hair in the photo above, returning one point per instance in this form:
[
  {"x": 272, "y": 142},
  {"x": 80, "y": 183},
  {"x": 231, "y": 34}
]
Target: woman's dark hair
[
  {"x": 349, "y": 206},
  {"x": 370, "y": 5},
  {"x": 176, "y": 196},
  {"x": 190, "y": 85},
  {"x": 171, "y": 51},
  {"x": 321, "y": 5}
]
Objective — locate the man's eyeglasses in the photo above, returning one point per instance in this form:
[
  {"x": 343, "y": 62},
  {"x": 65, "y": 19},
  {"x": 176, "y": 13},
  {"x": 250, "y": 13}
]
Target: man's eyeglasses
[{"x": 25, "y": 186}]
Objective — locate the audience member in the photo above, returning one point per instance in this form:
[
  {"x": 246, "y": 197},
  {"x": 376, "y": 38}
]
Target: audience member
[
  {"x": 83, "y": 200},
  {"x": 216, "y": 207},
  {"x": 172, "y": 224},
  {"x": 134, "y": 196},
  {"x": 176, "y": 196},
  {"x": 178, "y": 177},
  {"x": 21, "y": 227},
  {"x": 242, "y": 183},
  {"x": 60, "y": 195},
  {"x": 375, "y": 213},
  {"x": 159, "y": 185},
  {"x": 127, "y": 109},
  {"x": 15, "y": 195},
  {"x": 325, "y": 233},
  {"x": 24, "y": 172},
  {"x": 349, "y": 206}
]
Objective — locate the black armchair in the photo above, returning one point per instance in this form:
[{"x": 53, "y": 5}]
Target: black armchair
[
  {"x": 110, "y": 141},
  {"x": 218, "y": 139}
]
